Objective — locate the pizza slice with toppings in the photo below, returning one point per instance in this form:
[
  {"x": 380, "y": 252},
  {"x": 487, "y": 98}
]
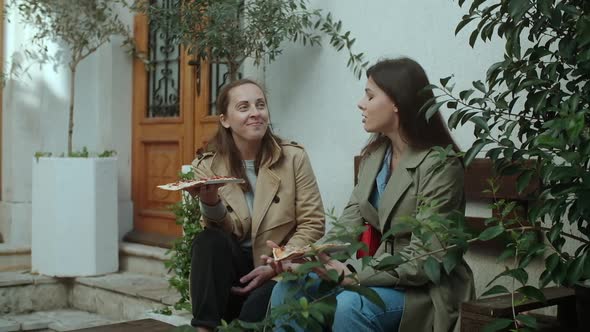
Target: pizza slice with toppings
[
  {"x": 183, "y": 184},
  {"x": 291, "y": 253}
]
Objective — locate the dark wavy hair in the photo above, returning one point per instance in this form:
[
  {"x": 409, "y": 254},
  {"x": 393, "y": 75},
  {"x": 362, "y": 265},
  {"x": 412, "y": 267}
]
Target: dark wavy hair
[
  {"x": 404, "y": 80},
  {"x": 223, "y": 142}
]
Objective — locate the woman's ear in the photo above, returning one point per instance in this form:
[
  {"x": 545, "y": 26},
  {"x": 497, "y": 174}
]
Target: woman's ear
[{"x": 223, "y": 121}]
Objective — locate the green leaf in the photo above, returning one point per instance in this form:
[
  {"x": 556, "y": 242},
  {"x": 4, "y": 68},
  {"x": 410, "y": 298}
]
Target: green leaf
[
  {"x": 444, "y": 81},
  {"x": 551, "y": 261},
  {"x": 493, "y": 68},
  {"x": 464, "y": 95},
  {"x": 527, "y": 321},
  {"x": 433, "y": 109},
  {"x": 575, "y": 270},
  {"x": 369, "y": 293},
  {"x": 303, "y": 302},
  {"x": 519, "y": 274},
  {"x": 473, "y": 38},
  {"x": 497, "y": 325},
  {"x": 432, "y": 269},
  {"x": 390, "y": 262},
  {"x": 473, "y": 151},
  {"x": 451, "y": 259},
  {"x": 462, "y": 24},
  {"x": 532, "y": 293},
  {"x": 523, "y": 180},
  {"x": 496, "y": 289},
  {"x": 479, "y": 86},
  {"x": 517, "y": 8},
  {"x": 491, "y": 232}
]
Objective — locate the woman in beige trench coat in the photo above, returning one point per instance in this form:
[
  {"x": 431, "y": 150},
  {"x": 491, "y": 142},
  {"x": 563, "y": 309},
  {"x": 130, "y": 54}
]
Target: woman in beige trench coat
[
  {"x": 279, "y": 202},
  {"x": 396, "y": 169}
]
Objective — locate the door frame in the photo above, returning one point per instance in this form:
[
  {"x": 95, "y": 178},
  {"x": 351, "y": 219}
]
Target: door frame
[{"x": 1, "y": 91}]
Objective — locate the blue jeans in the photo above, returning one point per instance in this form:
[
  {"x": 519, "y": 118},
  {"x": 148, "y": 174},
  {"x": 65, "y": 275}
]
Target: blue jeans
[{"x": 353, "y": 311}]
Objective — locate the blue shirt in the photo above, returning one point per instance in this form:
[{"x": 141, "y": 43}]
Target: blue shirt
[{"x": 381, "y": 179}]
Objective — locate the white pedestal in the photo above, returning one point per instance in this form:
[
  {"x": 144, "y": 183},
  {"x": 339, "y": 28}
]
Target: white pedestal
[{"x": 74, "y": 216}]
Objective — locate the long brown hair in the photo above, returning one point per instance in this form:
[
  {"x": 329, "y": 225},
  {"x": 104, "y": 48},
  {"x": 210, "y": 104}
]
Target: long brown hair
[
  {"x": 223, "y": 142},
  {"x": 404, "y": 80}
]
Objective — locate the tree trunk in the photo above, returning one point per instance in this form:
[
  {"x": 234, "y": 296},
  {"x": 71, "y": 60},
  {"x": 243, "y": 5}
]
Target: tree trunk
[
  {"x": 71, "y": 117},
  {"x": 233, "y": 67}
]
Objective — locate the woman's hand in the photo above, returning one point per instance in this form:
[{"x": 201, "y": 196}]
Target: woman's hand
[
  {"x": 207, "y": 193},
  {"x": 254, "y": 279},
  {"x": 278, "y": 267},
  {"x": 339, "y": 267}
]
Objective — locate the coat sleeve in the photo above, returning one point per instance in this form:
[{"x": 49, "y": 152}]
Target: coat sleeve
[
  {"x": 444, "y": 186},
  {"x": 348, "y": 221},
  {"x": 201, "y": 170},
  {"x": 310, "y": 217}
]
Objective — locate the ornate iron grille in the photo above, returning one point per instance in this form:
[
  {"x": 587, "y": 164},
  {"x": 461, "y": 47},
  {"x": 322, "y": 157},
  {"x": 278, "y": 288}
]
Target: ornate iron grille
[{"x": 164, "y": 77}]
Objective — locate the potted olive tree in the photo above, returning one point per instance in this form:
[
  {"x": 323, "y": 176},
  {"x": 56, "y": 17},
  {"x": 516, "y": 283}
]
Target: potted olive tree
[
  {"x": 532, "y": 116},
  {"x": 74, "y": 194}
]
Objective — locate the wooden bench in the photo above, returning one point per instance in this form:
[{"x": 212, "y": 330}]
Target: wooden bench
[
  {"x": 141, "y": 325},
  {"x": 476, "y": 314}
]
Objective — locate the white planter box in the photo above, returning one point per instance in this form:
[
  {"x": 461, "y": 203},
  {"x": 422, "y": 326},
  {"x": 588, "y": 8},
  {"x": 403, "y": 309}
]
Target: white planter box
[{"x": 74, "y": 203}]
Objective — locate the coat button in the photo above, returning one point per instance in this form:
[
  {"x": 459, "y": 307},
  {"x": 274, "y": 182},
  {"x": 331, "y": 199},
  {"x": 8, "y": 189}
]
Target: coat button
[
  {"x": 276, "y": 199},
  {"x": 229, "y": 209}
]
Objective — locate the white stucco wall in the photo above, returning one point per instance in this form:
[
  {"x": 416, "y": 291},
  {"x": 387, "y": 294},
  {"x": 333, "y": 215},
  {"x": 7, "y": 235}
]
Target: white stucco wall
[
  {"x": 35, "y": 111},
  {"x": 313, "y": 96}
]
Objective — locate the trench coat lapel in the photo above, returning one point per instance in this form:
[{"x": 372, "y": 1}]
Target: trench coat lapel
[
  {"x": 267, "y": 186},
  {"x": 399, "y": 182},
  {"x": 367, "y": 183}
]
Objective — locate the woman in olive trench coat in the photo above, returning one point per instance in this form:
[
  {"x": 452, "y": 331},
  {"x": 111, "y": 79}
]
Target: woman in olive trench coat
[{"x": 396, "y": 170}]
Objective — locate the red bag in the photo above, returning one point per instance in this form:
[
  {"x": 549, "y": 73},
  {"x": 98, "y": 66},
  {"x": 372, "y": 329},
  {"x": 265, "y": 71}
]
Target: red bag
[{"x": 372, "y": 238}]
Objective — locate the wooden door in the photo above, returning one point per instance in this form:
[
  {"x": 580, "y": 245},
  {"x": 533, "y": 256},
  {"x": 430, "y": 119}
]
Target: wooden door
[{"x": 171, "y": 120}]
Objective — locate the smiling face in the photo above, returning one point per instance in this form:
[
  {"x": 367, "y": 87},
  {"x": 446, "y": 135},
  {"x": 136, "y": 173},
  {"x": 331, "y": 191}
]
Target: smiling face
[
  {"x": 247, "y": 115},
  {"x": 380, "y": 115}
]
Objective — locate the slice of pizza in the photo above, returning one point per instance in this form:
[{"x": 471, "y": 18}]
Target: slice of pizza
[
  {"x": 290, "y": 253},
  {"x": 287, "y": 253},
  {"x": 183, "y": 184}
]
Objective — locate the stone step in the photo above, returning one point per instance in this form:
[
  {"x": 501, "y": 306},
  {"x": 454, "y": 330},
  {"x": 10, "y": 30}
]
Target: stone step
[
  {"x": 142, "y": 259},
  {"x": 22, "y": 292},
  {"x": 122, "y": 295},
  {"x": 53, "y": 320},
  {"x": 116, "y": 297}
]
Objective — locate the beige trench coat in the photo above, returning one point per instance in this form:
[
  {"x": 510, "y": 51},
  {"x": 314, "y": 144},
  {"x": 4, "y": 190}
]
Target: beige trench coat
[
  {"x": 287, "y": 206},
  {"x": 428, "y": 307}
]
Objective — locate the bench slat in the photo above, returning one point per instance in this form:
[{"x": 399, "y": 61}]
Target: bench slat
[{"x": 501, "y": 306}]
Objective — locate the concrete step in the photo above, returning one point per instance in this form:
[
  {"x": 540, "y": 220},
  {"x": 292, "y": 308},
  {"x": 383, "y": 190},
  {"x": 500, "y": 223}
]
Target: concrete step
[
  {"x": 53, "y": 320},
  {"x": 115, "y": 297},
  {"x": 122, "y": 295},
  {"x": 22, "y": 292},
  {"x": 142, "y": 259}
]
